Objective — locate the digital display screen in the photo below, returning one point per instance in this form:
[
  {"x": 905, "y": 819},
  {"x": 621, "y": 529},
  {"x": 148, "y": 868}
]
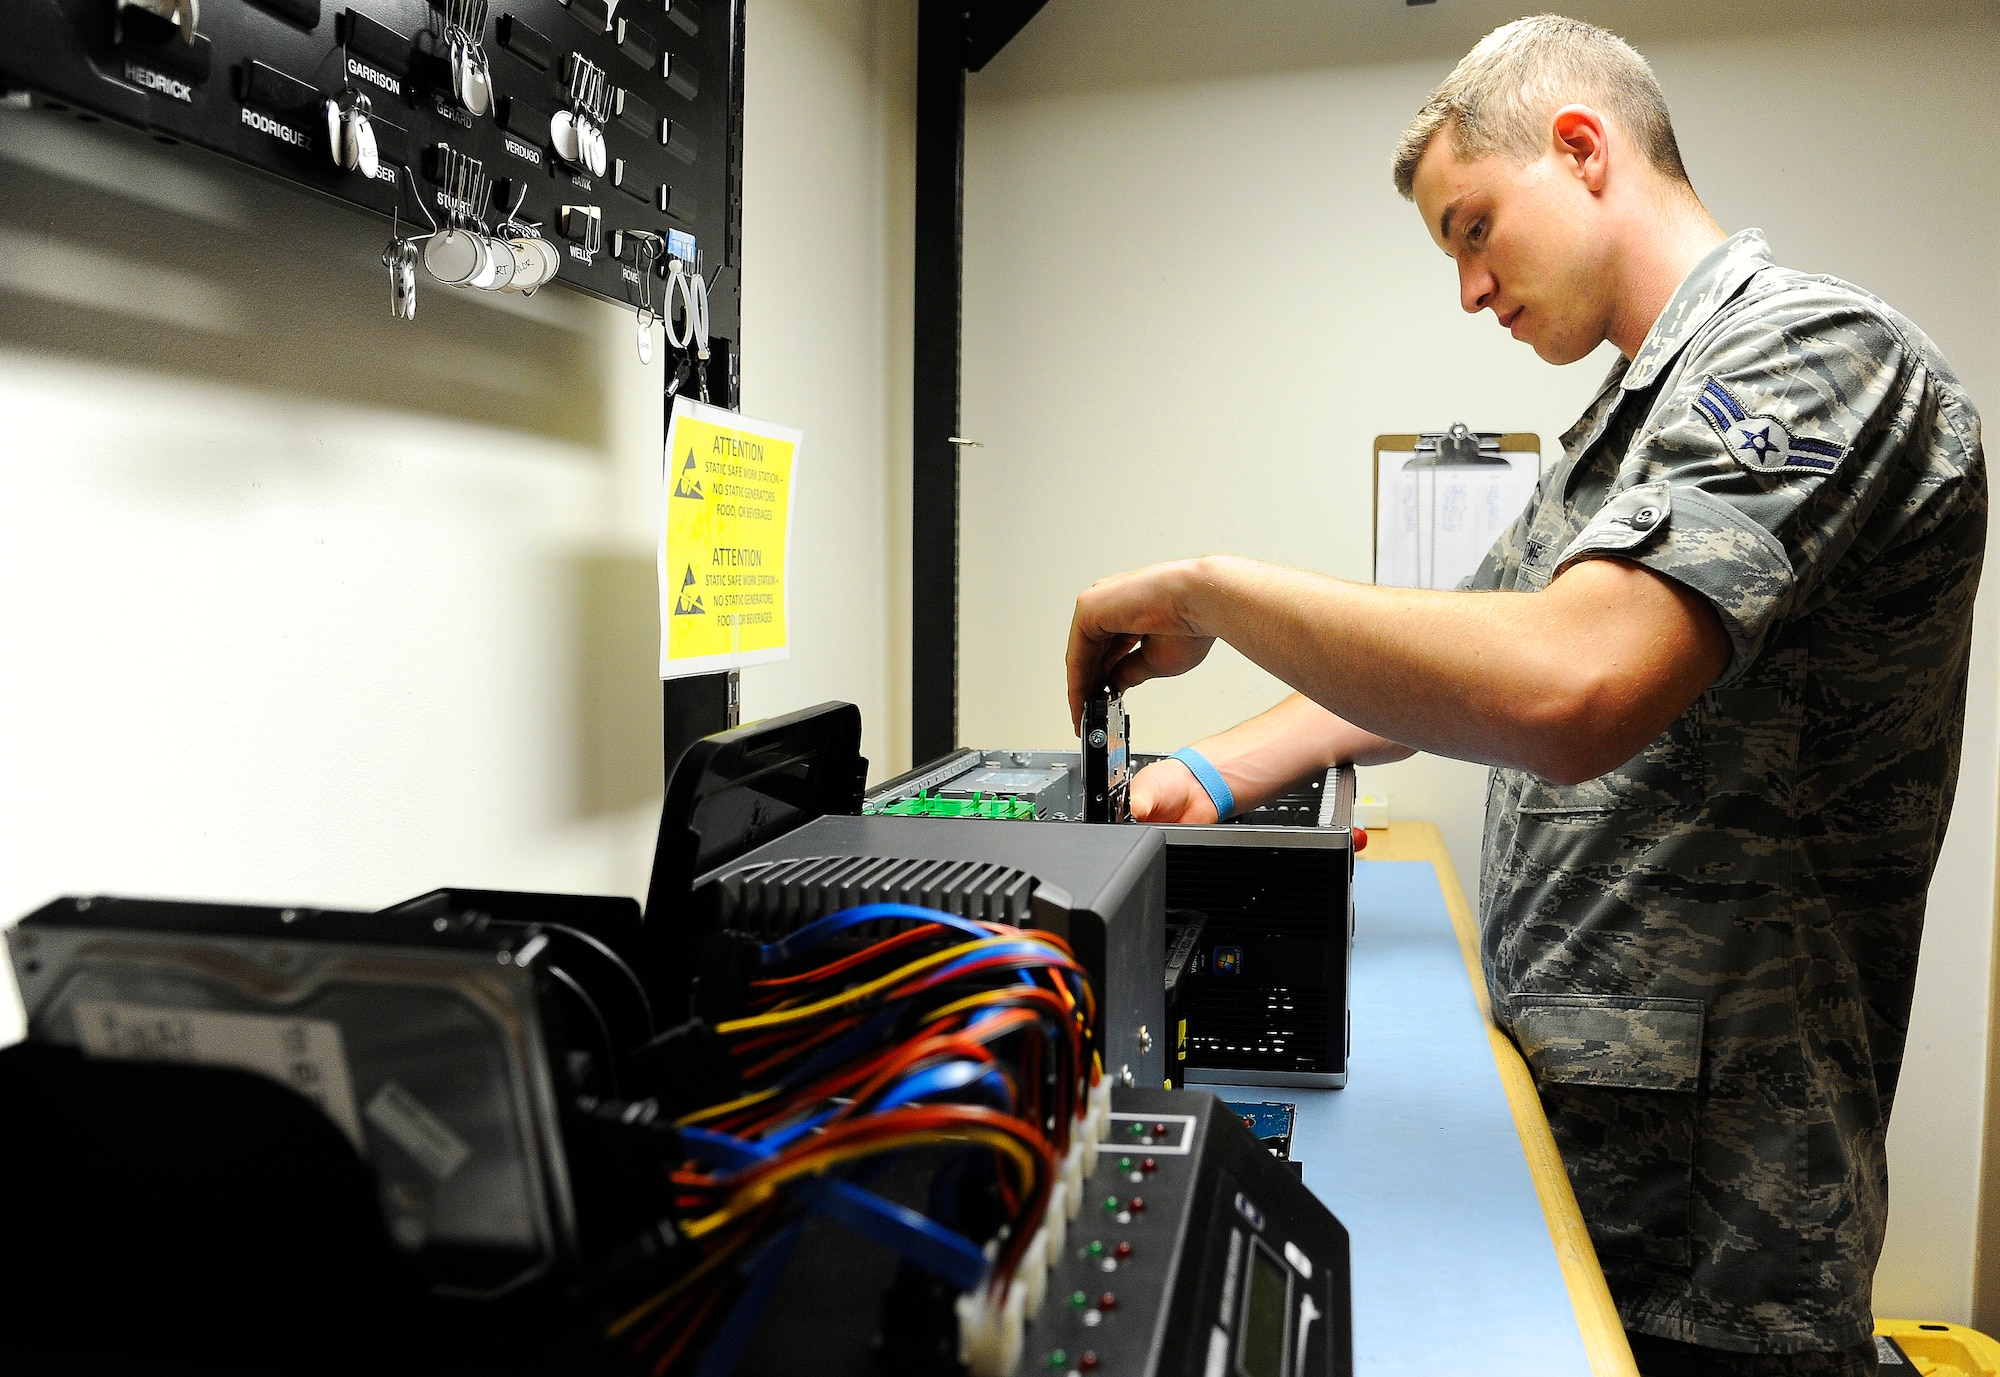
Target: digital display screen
[{"x": 1260, "y": 1348}]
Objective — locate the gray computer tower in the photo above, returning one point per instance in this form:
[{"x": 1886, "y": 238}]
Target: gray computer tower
[{"x": 1266, "y": 993}]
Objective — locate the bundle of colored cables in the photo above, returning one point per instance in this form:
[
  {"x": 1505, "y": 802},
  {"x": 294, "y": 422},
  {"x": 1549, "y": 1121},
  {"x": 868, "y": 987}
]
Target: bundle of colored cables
[{"x": 948, "y": 1033}]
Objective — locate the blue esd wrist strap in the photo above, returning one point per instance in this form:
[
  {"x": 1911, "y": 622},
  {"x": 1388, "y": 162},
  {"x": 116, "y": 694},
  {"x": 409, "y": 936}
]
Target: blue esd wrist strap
[{"x": 1209, "y": 778}]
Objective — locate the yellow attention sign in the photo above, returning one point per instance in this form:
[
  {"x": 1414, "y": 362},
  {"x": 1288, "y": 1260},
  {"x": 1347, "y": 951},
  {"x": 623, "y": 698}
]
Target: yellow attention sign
[{"x": 725, "y": 540}]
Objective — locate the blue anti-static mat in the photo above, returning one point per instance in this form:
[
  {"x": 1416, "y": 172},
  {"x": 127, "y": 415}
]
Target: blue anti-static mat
[{"x": 1453, "y": 1268}]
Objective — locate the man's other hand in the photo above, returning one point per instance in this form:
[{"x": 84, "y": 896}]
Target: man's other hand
[
  {"x": 1167, "y": 791},
  {"x": 1133, "y": 627}
]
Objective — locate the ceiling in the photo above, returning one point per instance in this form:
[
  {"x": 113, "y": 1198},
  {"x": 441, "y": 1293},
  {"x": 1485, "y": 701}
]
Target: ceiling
[{"x": 1078, "y": 45}]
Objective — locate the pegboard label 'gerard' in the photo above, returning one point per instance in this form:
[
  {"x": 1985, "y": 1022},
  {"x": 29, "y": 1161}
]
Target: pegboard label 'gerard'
[{"x": 451, "y": 112}]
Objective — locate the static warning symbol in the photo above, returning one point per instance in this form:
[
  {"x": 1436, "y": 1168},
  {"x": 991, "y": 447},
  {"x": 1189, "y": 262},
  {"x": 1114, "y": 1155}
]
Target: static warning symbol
[
  {"x": 725, "y": 524},
  {"x": 689, "y": 482},
  {"x": 687, "y": 603}
]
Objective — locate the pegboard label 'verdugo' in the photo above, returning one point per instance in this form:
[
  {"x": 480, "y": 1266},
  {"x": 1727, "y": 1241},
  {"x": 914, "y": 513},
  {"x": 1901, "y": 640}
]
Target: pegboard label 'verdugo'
[{"x": 725, "y": 540}]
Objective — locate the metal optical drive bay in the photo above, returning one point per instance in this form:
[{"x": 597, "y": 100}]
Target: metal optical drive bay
[{"x": 424, "y": 1044}]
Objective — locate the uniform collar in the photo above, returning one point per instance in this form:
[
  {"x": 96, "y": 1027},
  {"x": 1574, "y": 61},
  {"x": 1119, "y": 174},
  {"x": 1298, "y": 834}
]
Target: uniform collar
[{"x": 1701, "y": 294}]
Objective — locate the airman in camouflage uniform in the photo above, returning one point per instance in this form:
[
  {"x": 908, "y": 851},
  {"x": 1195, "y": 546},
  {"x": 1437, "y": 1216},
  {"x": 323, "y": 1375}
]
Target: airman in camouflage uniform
[
  {"x": 1707, "y": 955},
  {"x": 1750, "y": 579}
]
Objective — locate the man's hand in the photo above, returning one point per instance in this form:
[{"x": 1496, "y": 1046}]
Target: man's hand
[
  {"x": 1167, "y": 791},
  {"x": 1133, "y": 627}
]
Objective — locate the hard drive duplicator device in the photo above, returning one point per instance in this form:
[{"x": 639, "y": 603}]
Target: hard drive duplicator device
[{"x": 501, "y": 1133}]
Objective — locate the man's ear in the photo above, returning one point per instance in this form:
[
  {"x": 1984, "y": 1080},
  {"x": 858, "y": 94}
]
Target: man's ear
[{"x": 1584, "y": 144}]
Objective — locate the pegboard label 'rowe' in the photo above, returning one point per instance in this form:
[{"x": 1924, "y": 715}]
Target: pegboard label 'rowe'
[{"x": 725, "y": 541}]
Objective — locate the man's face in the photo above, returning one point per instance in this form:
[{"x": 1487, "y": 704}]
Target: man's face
[{"x": 1529, "y": 244}]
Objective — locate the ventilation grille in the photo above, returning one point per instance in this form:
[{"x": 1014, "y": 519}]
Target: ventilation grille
[
  {"x": 1257, "y": 891},
  {"x": 774, "y": 898},
  {"x": 1295, "y": 808},
  {"x": 1259, "y": 1030}
]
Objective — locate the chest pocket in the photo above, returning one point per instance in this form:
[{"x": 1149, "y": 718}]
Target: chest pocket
[{"x": 1670, "y": 774}]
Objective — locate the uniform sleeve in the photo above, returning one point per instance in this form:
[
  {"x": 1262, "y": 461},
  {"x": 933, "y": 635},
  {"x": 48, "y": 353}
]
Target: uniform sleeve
[
  {"x": 1496, "y": 571},
  {"x": 1751, "y": 480}
]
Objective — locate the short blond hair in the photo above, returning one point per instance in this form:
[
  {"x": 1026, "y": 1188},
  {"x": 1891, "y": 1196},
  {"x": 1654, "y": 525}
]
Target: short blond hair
[{"x": 1501, "y": 95}]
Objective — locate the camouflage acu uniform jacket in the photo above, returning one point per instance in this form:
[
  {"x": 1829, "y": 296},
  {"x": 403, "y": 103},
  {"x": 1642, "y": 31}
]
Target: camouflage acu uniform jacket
[{"x": 1707, "y": 955}]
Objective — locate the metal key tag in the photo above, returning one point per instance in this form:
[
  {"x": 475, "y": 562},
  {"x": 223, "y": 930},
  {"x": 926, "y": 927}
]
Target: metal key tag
[
  {"x": 401, "y": 260},
  {"x": 336, "y": 126},
  {"x": 361, "y": 140},
  {"x": 408, "y": 278},
  {"x": 478, "y": 82},
  {"x": 357, "y": 143}
]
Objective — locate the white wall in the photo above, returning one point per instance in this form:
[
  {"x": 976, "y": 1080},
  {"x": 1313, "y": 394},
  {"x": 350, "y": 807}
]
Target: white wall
[
  {"x": 302, "y": 604},
  {"x": 827, "y": 241},
  {"x": 1193, "y": 299}
]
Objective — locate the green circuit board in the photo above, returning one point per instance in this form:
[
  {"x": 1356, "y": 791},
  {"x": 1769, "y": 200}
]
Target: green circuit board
[{"x": 924, "y": 806}]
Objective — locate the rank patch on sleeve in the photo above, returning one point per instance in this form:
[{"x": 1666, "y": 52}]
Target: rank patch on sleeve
[{"x": 1762, "y": 442}]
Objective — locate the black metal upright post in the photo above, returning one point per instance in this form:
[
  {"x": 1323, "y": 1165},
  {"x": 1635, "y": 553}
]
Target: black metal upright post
[
  {"x": 703, "y": 704},
  {"x": 940, "y": 191}
]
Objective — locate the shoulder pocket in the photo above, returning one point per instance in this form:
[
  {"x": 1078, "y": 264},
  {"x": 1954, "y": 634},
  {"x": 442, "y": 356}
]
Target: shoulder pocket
[{"x": 1618, "y": 1078}]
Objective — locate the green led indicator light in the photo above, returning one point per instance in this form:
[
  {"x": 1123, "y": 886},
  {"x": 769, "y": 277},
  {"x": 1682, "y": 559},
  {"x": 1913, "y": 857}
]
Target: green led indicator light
[
  {"x": 1096, "y": 1249},
  {"x": 1124, "y": 1164},
  {"x": 1137, "y": 1130},
  {"x": 1111, "y": 1204},
  {"x": 1077, "y": 1300},
  {"x": 1058, "y": 1360}
]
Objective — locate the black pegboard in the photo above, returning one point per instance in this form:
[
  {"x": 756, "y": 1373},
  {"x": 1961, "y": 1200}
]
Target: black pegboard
[{"x": 252, "y": 84}]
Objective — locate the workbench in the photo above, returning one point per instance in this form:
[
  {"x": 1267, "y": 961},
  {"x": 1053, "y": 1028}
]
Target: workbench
[{"x": 1469, "y": 1255}]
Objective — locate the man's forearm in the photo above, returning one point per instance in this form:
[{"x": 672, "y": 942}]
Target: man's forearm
[
  {"x": 1264, "y": 756},
  {"x": 1568, "y": 682}
]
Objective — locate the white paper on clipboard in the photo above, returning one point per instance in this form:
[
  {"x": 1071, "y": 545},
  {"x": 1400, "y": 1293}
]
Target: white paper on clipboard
[{"x": 1435, "y": 522}]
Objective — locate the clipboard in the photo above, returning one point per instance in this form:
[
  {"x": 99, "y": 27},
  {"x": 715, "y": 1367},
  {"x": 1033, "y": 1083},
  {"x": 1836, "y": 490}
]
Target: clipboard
[{"x": 1442, "y": 498}]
